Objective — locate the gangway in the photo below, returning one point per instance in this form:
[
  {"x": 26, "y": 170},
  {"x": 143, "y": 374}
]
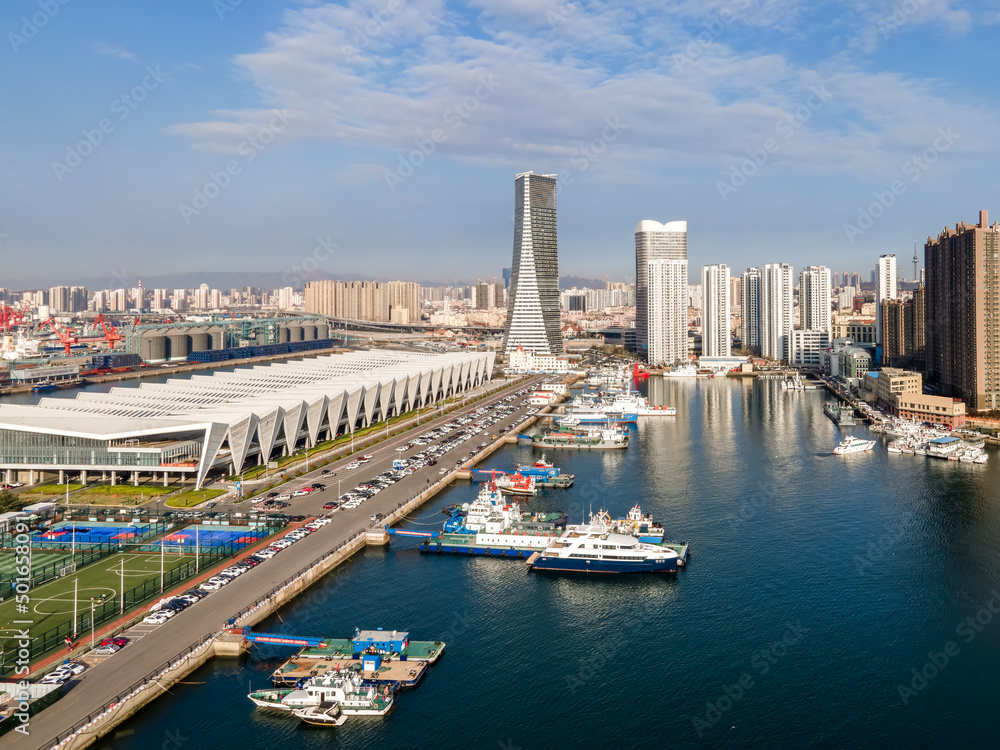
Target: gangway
[{"x": 301, "y": 641}]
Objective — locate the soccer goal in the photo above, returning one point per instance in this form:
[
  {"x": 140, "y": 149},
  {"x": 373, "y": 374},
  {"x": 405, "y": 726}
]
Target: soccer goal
[
  {"x": 173, "y": 549},
  {"x": 65, "y": 570}
]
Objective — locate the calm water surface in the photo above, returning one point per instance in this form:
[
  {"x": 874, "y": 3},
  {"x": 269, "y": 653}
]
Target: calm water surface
[{"x": 817, "y": 583}]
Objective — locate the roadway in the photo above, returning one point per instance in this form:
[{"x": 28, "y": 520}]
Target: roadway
[{"x": 116, "y": 674}]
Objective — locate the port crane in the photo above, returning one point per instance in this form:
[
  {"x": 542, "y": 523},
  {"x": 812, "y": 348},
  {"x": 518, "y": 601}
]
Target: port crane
[
  {"x": 10, "y": 317},
  {"x": 66, "y": 334},
  {"x": 111, "y": 334}
]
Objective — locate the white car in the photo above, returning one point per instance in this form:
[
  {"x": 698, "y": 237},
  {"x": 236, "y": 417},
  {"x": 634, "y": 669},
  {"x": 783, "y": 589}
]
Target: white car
[
  {"x": 54, "y": 678},
  {"x": 157, "y": 618},
  {"x": 297, "y": 493},
  {"x": 282, "y": 498}
]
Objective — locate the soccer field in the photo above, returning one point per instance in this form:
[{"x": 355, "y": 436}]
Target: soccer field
[
  {"x": 39, "y": 560},
  {"x": 51, "y": 605}
]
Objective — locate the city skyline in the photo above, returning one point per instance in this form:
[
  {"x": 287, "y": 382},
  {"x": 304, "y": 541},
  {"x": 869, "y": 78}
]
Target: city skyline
[{"x": 832, "y": 131}]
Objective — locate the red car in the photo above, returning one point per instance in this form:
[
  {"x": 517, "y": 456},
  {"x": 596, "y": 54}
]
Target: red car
[
  {"x": 118, "y": 641},
  {"x": 329, "y": 506}
]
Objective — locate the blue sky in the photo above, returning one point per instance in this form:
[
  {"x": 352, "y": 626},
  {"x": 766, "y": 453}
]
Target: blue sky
[{"x": 811, "y": 132}]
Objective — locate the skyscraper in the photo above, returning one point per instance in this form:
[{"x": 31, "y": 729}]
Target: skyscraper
[
  {"x": 533, "y": 299},
  {"x": 815, "y": 299},
  {"x": 750, "y": 310},
  {"x": 775, "y": 309},
  {"x": 963, "y": 313},
  {"x": 886, "y": 287},
  {"x": 666, "y": 291},
  {"x": 716, "y": 340},
  {"x": 655, "y": 241}
]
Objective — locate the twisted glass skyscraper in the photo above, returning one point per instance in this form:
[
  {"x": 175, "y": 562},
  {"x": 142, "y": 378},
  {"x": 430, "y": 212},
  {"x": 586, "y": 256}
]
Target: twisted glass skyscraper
[{"x": 533, "y": 299}]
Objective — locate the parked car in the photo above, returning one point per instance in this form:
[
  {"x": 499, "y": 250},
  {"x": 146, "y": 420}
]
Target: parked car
[
  {"x": 106, "y": 649},
  {"x": 119, "y": 641}
]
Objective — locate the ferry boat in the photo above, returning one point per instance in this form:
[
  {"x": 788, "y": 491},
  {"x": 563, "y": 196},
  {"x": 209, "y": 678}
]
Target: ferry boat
[
  {"x": 596, "y": 549},
  {"x": 621, "y": 406},
  {"x": 851, "y": 444},
  {"x": 349, "y": 693},
  {"x": 577, "y": 419},
  {"x": 608, "y": 438}
]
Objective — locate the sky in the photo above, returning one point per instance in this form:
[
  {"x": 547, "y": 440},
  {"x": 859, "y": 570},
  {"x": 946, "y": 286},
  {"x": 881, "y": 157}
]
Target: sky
[{"x": 381, "y": 138}]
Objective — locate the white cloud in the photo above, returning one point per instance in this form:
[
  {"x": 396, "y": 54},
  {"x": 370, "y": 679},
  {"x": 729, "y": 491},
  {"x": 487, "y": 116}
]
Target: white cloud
[
  {"x": 359, "y": 75},
  {"x": 110, "y": 50}
]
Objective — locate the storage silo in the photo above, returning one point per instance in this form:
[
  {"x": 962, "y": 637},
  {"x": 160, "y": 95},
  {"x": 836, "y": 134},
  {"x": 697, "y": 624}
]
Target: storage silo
[
  {"x": 283, "y": 335},
  {"x": 200, "y": 340},
  {"x": 153, "y": 347},
  {"x": 322, "y": 331},
  {"x": 294, "y": 333},
  {"x": 178, "y": 344},
  {"x": 308, "y": 332},
  {"x": 217, "y": 338}
]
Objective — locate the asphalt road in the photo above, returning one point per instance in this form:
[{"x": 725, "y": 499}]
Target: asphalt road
[{"x": 96, "y": 687}]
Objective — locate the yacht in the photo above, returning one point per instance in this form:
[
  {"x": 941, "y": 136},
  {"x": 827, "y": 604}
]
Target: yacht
[
  {"x": 687, "y": 371},
  {"x": 851, "y": 444},
  {"x": 593, "y": 548}
]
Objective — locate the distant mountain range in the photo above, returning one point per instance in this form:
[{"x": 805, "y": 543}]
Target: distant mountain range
[{"x": 226, "y": 280}]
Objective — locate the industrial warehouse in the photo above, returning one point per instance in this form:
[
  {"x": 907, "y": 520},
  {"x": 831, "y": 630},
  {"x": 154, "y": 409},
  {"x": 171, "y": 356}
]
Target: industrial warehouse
[{"x": 216, "y": 425}]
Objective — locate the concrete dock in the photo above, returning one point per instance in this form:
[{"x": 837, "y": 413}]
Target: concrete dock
[{"x": 111, "y": 691}]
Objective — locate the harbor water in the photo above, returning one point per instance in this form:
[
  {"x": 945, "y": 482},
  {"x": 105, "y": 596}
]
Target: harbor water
[{"x": 825, "y": 604}]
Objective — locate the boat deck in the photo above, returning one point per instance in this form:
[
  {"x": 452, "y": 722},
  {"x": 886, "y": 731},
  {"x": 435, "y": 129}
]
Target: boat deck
[
  {"x": 683, "y": 551},
  {"x": 393, "y": 673},
  {"x": 341, "y": 648}
]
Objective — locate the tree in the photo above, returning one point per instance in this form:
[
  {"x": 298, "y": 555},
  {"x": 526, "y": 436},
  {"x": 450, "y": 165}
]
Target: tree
[{"x": 10, "y": 502}]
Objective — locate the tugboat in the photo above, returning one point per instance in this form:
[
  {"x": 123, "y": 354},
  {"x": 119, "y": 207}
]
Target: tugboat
[{"x": 516, "y": 484}]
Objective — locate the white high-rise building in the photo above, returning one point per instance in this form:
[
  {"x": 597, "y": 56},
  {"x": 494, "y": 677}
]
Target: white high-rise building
[
  {"x": 816, "y": 299},
  {"x": 666, "y": 292},
  {"x": 655, "y": 241},
  {"x": 716, "y": 339},
  {"x": 750, "y": 309},
  {"x": 533, "y": 300},
  {"x": 845, "y": 300},
  {"x": 776, "y": 320},
  {"x": 886, "y": 287}
]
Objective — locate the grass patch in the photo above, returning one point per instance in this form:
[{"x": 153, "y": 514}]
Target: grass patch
[
  {"x": 52, "y": 489},
  {"x": 121, "y": 494},
  {"x": 127, "y": 490},
  {"x": 193, "y": 497}
]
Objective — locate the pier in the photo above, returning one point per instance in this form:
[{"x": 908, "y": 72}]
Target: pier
[{"x": 158, "y": 657}]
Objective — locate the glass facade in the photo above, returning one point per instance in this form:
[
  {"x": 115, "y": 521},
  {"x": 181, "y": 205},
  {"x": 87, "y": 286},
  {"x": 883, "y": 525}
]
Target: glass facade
[{"x": 34, "y": 448}]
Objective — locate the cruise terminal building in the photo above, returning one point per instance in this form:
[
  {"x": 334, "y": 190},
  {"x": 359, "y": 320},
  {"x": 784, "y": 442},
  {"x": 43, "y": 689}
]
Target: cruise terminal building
[{"x": 219, "y": 424}]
